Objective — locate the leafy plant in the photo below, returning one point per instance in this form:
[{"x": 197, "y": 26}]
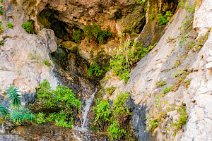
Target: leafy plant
[
  {"x": 94, "y": 32},
  {"x": 14, "y": 96},
  {"x": 168, "y": 89},
  {"x": 152, "y": 124},
  {"x": 16, "y": 112},
  {"x": 95, "y": 69},
  {"x": 10, "y": 25},
  {"x": 120, "y": 110},
  {"x": 102, "y": 112},
  {"x": 164, "y": 18},
  {"x": 61, "y": 119},
  {"x": 129, "y": 53},
  {"x": 115, "y": 132},
  {"x": 40, "y": 118},
  {"x": 61, "y": 102},
  {"x": 182, "y": 118},
  {"x": 29, "y": 26}
]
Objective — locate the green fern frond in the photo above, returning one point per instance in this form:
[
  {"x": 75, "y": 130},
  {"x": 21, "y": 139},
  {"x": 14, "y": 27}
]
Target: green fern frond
[
  {"x": 14, "y": 96},
  {"x": 3, "y": 111}
]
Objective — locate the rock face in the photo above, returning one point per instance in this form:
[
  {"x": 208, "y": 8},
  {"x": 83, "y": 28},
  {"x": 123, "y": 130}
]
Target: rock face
[
  {"x": 25, "y": 59},
  {"x": 182, "y": 58}
]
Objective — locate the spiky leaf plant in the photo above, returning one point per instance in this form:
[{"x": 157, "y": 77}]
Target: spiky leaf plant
[
  {"x": 3, "y": 111},
  {"x": 14, "y": 96},
  {"x": 20, "y": 115}
]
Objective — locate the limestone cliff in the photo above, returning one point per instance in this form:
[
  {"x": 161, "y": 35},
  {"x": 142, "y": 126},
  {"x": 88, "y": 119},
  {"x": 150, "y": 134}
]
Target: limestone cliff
[{"x": 170, "y": 87}]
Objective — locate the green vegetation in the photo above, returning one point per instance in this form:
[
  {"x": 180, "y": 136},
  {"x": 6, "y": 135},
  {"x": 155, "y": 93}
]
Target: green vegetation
[
  {"x": 181, "y": 120},
  {"x": 161, "y": 83},
  {"x": 1, "y": 10},
  {"x": 152, "y": 124},
  {"x": 129, "y": 53},
  {"x": 114, "y": 119},
  {"x": 95, "y": 69},
  {"x": 10, "y": 25},
  {"x": 164, "y": 18},
  {"x": 102, "y": 113},
  {"x": 110, "y": 90},
  {"x": 47, "y": 63},
  {"x": 16, "y": 112},
  {"x": 115, "y": 131},
  {"x": 77, "y": 36},
  {"x": 168, "y": 89},
  {"x": 29, "y": 26},
  {"x": 61, "y": 102},
  {"x": 1, "y": 42},
  {"x": 95, "y": 33},
  {"x": 1, "y": 27}
]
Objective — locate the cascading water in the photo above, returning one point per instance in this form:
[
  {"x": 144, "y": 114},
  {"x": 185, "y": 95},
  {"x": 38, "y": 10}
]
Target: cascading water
[{"x": 86, "y": 110}]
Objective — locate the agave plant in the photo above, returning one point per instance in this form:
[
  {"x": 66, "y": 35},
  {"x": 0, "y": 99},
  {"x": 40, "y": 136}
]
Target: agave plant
[{"x": 14, "y": 96}]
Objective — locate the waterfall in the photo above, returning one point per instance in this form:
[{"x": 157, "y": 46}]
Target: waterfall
[{"x": 86, "y": 110}]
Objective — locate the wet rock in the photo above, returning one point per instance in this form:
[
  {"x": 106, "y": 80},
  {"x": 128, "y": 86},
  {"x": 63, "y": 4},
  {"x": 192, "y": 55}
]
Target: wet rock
[{"x": 138, "y": 123}]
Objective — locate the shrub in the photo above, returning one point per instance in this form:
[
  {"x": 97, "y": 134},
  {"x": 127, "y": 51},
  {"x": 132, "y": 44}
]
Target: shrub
[
  {"x": 10, "y": 25},
  {"x": 61, "y": 102},
  {"x": 115, "y": 132},
  {"x": 130, "y": 53},
  {"x": 182, "y": 118},
  {"x": 164, "y": 18},
  {"x": 95, "y": 69},
  {"x": 168, "y": 89},
  {"x": 102, "y": 112},
  {"x": 95, "y": 33},
  {"x": 40, "y": 118},
  {"x": 120, "y": 110},
  {"x": 29, "y": 26}
]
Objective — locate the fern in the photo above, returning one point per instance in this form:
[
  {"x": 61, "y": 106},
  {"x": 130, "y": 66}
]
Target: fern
[{"x": 14, "y": 96}]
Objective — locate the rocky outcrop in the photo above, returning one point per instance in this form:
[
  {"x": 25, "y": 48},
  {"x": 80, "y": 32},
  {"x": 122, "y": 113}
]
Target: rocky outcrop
[
  {"x": 25, "y": 59},
  {"x": 181, "y": 59}
]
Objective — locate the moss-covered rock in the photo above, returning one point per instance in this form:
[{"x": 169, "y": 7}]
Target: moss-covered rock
[{"x": 133, "y": 22}]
